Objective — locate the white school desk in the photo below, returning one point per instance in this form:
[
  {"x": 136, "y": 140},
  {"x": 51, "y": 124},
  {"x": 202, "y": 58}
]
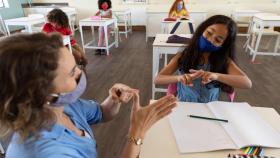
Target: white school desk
[
  {"x": 160, "y": 142},
  {"x": 154, "y": 19},
  {"x": 161, "y": 47},
  {"x": 263, "y": 21},
  {"x": 124, "y": 19},
  {"x": 27, "y": 22},
  {"x": 101, "y": 23},
  {"x": 241, "y": 13}
]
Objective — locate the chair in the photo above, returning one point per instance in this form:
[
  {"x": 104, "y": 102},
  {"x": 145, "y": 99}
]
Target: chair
[{"x": 187, "y": 27}]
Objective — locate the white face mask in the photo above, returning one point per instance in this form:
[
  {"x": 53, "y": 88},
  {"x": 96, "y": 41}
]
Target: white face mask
[{"x": 71, "y": 97}]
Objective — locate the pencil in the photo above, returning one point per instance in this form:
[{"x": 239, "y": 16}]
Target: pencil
[{"x": 207, "y": 118}]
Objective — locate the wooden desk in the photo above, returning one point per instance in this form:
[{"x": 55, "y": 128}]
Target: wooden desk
[
  {"x": 101, "y": 23},
  {"x": 161, "y": 47},
  {"x": 160, "y": 142}
]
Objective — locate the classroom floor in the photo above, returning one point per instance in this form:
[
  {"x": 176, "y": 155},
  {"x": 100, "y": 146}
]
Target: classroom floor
[{"x": 131, "y": 64}]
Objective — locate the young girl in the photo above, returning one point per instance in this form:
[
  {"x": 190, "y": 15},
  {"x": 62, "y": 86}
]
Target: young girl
[
  {"x": 58, "y": 22},
  {"x": 105, "y": 11},
  {"x": 178, "y": 10},
  {"x": 207, "y": 64}
]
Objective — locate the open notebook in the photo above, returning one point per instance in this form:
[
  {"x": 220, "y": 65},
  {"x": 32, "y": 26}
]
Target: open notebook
[{"x": 244, "y": 128}]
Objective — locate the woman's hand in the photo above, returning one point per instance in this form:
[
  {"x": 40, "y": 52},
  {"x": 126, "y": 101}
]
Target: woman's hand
[
  {"x": 206, "y": 76},
  {"x": 121, "y": 92},
  {"x": 142, "y": 118}
]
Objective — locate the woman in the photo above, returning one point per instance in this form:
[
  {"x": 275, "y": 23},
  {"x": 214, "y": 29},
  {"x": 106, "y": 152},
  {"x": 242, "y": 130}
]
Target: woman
[
  {"x": 207, "y": 64},
  {"x": 39, "y": 102}
]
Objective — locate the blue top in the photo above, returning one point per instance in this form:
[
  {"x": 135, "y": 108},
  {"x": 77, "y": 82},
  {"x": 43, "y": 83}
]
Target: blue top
[
  {"x": 198, "y": 92},
  {"x": 60, "y": 142}
]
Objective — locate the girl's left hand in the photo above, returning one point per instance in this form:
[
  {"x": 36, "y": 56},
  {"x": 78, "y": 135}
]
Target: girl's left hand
[
  {"x": 121, "y": 92},
  {"x": 207, "y": 76}
]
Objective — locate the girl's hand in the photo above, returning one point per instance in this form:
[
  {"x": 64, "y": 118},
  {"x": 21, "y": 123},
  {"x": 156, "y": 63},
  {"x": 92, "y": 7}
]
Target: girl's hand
[
  {"x": 121, "y": 92},
  {"x": 142, "y": 118},
  {"x": 187, "y": 79},
  {"x": 207, "y": 76}
]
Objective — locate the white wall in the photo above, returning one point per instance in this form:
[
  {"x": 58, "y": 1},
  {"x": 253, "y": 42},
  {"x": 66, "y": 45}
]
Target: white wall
[{"x": 87, "y": 8}]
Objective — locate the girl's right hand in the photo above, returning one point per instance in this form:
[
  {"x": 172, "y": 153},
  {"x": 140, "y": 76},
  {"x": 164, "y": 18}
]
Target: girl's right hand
[
  {"x": 142, "y": 118},
  {"x": 187, "y": 79}
]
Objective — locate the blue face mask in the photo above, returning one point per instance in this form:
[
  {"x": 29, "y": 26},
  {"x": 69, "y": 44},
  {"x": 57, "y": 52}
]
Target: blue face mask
[
  {"x": 179, "y": 7},
  {"x": 71, "y": 97},
  {"x": 206, "y": 46}
]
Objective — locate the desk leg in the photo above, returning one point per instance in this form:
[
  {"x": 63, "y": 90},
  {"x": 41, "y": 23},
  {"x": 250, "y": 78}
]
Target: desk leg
[
  {"x": 82, "y": 37},
  {"x": 8, "y": 31},
  {"x": 92, "y": 33},
  {"x": 70, "y": 47},
  {"x": 257, "y": 43},
  {"x": 106, "y": 38},
  {"x": 2, "y": 151},
  {"x": 117, "y": 33},
  {"x": 276, "y": 47},
  {"x": 130, "y": 22},
  {"x": 155, "y": 68},
  {"x": 126, "y": 25},
  {"x": 29, "y": 27}
]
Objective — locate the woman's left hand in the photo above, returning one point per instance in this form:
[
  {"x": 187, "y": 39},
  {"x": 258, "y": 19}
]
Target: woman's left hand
[
  {"x": 207, "y": 76},
  {"x": 121, "y": 92}
]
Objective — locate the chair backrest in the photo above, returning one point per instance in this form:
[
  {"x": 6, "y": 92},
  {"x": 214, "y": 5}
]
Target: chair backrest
[{"x": 182, "y": 27}]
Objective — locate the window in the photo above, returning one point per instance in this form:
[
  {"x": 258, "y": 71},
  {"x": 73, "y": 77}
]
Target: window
[
  {"x": 135, "y": 1},
  {"x": 4, "y": 4}
]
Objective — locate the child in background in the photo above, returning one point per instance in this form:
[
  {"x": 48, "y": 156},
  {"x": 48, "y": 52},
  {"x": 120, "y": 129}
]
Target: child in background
[
  {"x": 105, "y": 11},
  {"x": 207, "y": 65},
  {"x": 178, "y": 10},
  {"x": 59, "y": 22}
]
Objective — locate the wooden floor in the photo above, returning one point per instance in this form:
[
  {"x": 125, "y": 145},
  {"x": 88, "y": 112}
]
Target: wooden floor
[{"x": 131, "y": 63}]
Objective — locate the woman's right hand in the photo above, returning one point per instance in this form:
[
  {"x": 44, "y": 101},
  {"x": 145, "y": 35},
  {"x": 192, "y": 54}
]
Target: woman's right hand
[{"x": 142, "y": 118}]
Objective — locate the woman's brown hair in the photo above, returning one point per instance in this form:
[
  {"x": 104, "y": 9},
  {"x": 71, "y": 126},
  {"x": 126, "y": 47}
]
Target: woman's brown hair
[{"x": 28, "y": 63}]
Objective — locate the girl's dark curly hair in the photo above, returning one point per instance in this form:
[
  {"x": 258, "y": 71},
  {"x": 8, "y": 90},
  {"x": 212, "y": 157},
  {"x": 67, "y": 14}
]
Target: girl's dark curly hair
[
  {"x": 28, "y": 66},
  {"x": 59, "y": 17},
  {"x": 100, "y": 2}
]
